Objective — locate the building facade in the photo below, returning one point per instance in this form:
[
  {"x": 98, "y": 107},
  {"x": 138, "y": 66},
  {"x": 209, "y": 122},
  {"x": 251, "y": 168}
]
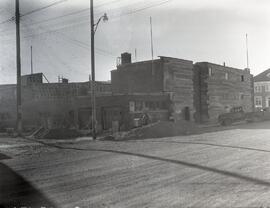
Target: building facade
[
  {"x": 219, "y": 88},
  {"x": 171, "y": 77},
  {"x": 165, "y": 89},
  {"x": 262, "y": 90}
]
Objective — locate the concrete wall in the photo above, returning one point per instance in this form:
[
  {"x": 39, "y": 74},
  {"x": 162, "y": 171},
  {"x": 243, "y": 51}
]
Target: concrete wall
[
  {"x": 138, "y": 77},
  {"x": 46, "y": 104},
  {"x": 122, "y": 111},
  {"x": 178, "y": 82},
  {"x": 221, "y": 88}
]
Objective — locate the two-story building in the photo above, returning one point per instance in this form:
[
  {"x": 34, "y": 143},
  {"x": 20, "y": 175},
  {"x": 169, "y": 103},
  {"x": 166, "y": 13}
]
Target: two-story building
[
  {"x": 262, "y": 90},
  {"x": 218, "y": 88}
]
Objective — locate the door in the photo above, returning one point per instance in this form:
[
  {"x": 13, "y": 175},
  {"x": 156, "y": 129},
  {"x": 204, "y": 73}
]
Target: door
[
  {"x": 187, "y": 114},
  {"x": 110, "y": 114}
]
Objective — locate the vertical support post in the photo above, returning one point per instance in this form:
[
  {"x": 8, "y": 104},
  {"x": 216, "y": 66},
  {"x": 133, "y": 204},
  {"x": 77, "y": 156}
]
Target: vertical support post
[
  {"x": 18, "y": 56},
  {"x": 93, "y": 88}
]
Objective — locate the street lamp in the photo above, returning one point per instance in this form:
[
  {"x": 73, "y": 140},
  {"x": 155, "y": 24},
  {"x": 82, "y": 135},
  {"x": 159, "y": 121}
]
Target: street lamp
[
  {"x": 104, "y": 18},
  {"x": 93, "y": 85}
]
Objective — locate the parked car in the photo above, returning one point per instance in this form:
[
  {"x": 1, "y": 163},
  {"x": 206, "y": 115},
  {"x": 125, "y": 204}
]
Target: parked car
[{"x": 237, "y": 114}]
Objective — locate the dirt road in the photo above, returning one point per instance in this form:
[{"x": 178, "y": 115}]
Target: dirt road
[{"x": 228, "y": 168}]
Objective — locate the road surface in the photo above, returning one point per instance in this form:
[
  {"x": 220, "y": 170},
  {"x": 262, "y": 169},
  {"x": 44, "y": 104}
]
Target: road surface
[{"x": 229, "y": 168}]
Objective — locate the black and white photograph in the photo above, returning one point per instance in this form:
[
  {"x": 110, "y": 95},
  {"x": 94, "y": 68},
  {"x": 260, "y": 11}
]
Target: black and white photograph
[{"x": 134, "y": 103}]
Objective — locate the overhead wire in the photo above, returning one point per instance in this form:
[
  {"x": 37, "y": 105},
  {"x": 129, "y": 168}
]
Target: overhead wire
[
  {"x": 73, "y": 13},
  {"x": 113, "y": 17},
  {"x": 87, "y": 21},
  {"x": 122, "y": 8},
  {"x": 42, "y": 8}
]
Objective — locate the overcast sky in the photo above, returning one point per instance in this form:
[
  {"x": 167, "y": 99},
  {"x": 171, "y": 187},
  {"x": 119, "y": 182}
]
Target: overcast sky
[{"x": 197, "y": 30}]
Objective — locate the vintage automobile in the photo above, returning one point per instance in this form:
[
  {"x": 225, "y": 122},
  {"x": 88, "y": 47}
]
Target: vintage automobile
[{"x": 237, "y": 114}]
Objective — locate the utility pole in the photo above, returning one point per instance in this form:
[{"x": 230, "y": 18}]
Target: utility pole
[
  {"x": 93, "y": 86},
  {"x": 18, "y": 50},
  {"x": 31, "y": 60}
]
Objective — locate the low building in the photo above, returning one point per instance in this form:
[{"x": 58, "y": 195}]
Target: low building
[
  {"x": 162, "y": 89},
  {"x": 171, "y": 77}
]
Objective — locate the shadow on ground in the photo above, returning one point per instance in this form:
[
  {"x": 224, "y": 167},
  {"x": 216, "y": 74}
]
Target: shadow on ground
[
  {"x": 15, "y": 191},
  {"x": 4, "y": 157},
  {"x": 227, "y": 173}
]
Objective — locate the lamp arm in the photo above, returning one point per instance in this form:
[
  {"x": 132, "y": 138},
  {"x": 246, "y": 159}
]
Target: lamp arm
[{"x": 96, "y": 25}]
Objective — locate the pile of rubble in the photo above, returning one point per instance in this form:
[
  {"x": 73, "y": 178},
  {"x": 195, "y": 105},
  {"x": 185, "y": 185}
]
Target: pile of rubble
[{"x": 158, "y": 130}]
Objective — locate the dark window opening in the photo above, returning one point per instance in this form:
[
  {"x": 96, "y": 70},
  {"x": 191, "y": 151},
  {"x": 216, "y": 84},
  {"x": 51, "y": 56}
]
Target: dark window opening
[{"x": 242, "y": 78}]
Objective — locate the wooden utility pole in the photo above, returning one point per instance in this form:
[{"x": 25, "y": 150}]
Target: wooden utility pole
[
  {"x": 93, "y": 86},
  {"x": 18, "y": 50}
]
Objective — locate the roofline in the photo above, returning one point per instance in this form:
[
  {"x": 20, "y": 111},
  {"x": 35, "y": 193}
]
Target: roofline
[
  {"x": 205, "y": 62},
  {"x": 175, "y": 58}
]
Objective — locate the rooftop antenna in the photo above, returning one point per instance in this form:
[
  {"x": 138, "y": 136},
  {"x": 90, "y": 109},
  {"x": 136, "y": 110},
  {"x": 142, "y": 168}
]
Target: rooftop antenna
[
  {"x": 152, "y": 49},
  {"x": 247, "y": 50},
  {"x": 31, "y": 60},
  {"x": 136, "y": 54}
]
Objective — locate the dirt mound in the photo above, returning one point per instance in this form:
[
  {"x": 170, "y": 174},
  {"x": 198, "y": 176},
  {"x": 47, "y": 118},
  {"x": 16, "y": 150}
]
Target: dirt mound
[
  {"x": 60, "y": 133},
  {"x": 160, "y": 129}
]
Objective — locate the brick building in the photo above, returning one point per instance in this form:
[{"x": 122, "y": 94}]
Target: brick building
[{"x": 262, "y": 90}]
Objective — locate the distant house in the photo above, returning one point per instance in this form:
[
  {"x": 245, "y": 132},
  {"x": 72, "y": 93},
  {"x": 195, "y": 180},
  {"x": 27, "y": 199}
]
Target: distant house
[{"x": 262, "y": 90}]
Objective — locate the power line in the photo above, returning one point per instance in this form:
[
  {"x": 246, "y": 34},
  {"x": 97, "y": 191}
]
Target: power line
[
  {"x": 143, "y": 8},
  {"x": 73, "y": 13},
  {"x": 79, "y": 43},
  {"x": 34, "y": 11},
  {"x": 87, "y": 9},
  {"x": 8, "y": 20},
  {"x": 42, "y": 8},
  {"x": 114, "y": 17}
]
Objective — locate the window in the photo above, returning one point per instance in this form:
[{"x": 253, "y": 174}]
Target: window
[
  {"x": 138, "y": 106},
  {"x": 241, "y": 97},
  {"x": 131, "y": 106},
  {"x": 210, "y": 72},
  {"x": 226, "y": 76},
  {"x": 257, "y": 88},
  {"x": 242, "y": 78},
  {"x": 267, "y": 104},
  {"x": 267, "y": 88},
  {"x": 258, "y": 101}
]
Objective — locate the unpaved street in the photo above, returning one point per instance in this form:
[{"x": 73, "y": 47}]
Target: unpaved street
[{"x": 229, "y": 168}]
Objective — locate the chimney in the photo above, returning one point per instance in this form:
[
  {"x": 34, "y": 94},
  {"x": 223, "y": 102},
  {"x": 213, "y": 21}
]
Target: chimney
[
  {"x": 64, "y": 80},
  {"x": 224, "y": 64},
  {"x": 126, "y": 58}
]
